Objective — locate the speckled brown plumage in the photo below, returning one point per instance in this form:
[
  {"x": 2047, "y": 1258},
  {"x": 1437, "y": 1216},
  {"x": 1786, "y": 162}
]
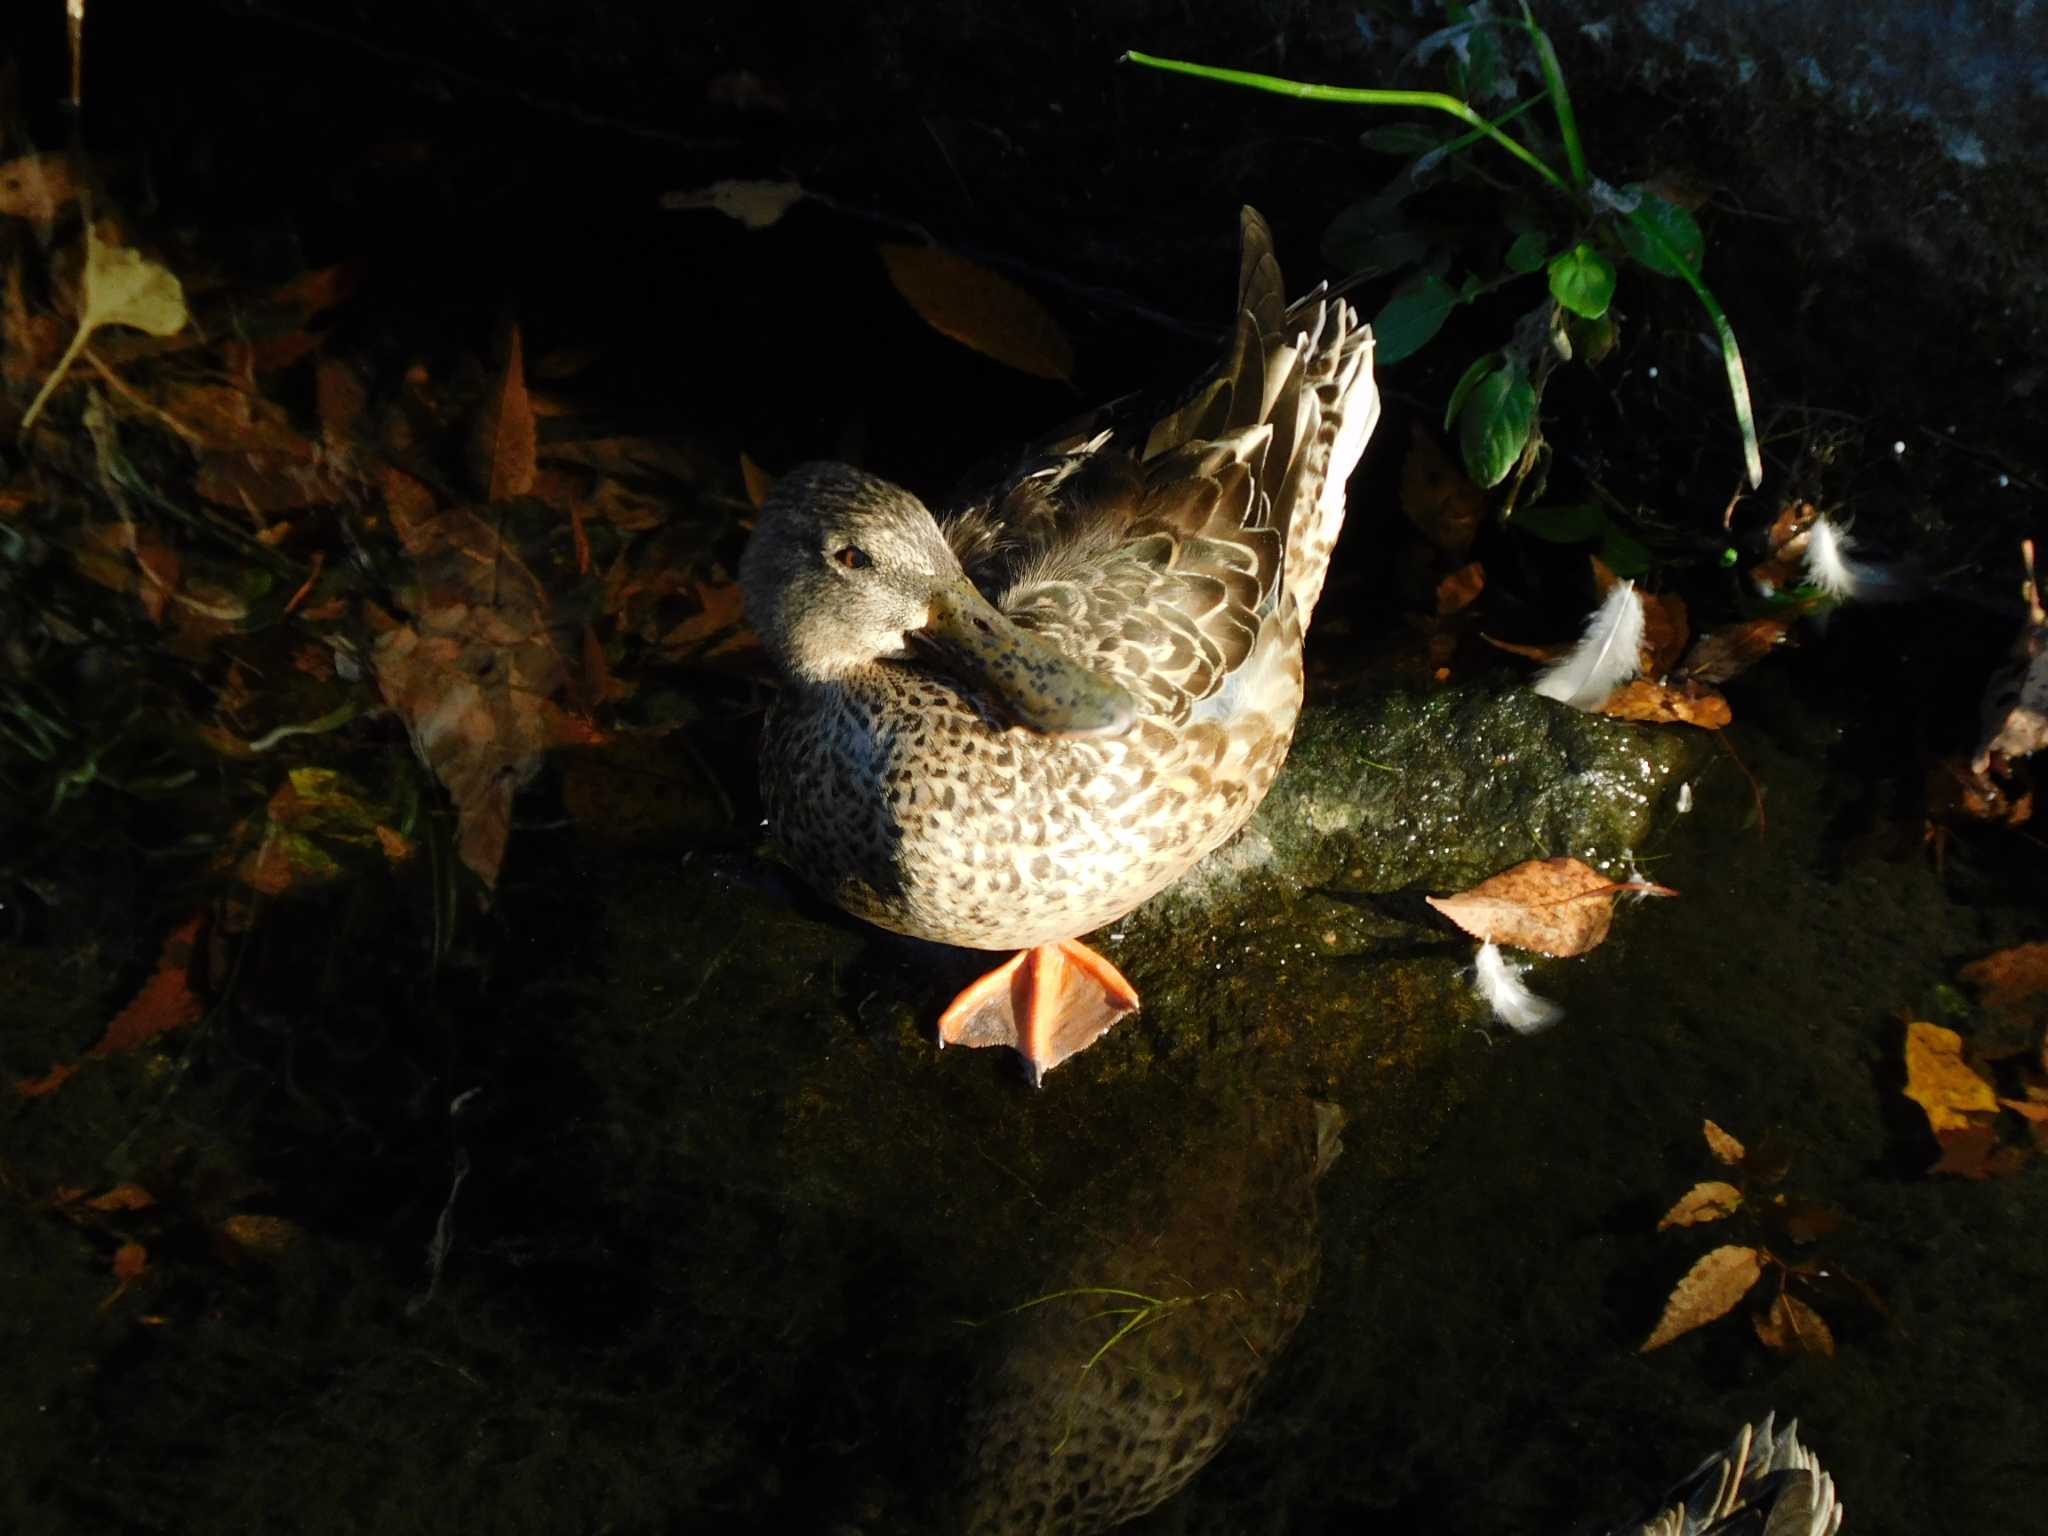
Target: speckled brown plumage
[{"x": 1175, "y": 577}]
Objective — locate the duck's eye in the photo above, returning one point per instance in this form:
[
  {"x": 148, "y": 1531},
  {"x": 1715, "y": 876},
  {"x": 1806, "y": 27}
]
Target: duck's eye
[{"x": 854, "y": 558}]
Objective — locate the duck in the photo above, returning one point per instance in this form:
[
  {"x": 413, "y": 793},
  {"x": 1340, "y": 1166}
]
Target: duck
[{"x": 1008, "y": 726}]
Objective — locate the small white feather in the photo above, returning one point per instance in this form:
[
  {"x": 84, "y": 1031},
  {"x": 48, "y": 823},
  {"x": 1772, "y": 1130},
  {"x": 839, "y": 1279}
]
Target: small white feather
[
  {"x": 1607, "y": 655},
  {"x": 1832, "y": 566},
  {"x": 1508, "y": 995}
]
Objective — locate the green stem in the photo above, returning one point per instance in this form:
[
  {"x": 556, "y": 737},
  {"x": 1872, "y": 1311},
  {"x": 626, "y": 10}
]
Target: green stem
[{"x": 1344, "y": 95}]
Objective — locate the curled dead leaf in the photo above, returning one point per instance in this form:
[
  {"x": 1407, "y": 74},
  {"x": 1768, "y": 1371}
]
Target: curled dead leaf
[
  {"x": 1731, "y": 650},
  {"x": 1667, "y": 704},
  {"x": 1710, "y": 1289},
  {"x": 978, "y": 309},
  {"x": 1560, "y": 907},
  {"x": 1709, "y": 1200}
]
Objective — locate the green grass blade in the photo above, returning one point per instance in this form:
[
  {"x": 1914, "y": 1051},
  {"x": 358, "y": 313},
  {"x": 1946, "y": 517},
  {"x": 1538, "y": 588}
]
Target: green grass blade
[{"x": 1560, "y": 99}]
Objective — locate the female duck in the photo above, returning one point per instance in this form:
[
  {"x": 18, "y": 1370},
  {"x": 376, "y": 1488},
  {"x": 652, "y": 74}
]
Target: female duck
[{"x": 1014, "y": 770}]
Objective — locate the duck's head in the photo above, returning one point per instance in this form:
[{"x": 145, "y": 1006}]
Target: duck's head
[{"x": 846, "y": 571}]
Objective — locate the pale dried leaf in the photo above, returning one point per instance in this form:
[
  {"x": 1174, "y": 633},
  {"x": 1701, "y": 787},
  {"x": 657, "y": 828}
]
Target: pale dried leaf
[
  {"x": 977, "y": 308},
  {"x": 1710, "y": 1289},
  {"x": 120, "y": 287},
  {"x": 756, "y": 204},
  {"x": 1558, "y": 907},
  {"x": 1709, "y": 1200}
]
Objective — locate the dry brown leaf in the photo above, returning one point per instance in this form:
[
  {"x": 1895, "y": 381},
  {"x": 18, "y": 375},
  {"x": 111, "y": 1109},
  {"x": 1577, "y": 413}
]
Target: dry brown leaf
[
  {"x": 1460, "y": 589},
  {"x": 2013, "y": 982},
  {"x": 1733, "y": 649},
  {"x": 1437, "y": 497},
  {"x": 1558, "y": 907},
  {"x": 978, "y": 309},
  {"x": 1710, "y": 1289},
  {"x": 504, "y": 444},
  {"x": 758, "y": 482},
  {"x": 268, "y": 1238},
  {"x": 1666, "y": 704},
  {"x": 123, "y": 1197},
  {"x": 37, "y": 187},
  {"x": 1791, "y": 1327},
  {"x": 1542, "y": 653},
  {"x": 1665, "y": 631},
  {"x": 1707, "y": 1201},
  {"x": 1722, "y": 1145},
  {"x": 130, "y": 1264},
  {"x": 476, "y": 671}
]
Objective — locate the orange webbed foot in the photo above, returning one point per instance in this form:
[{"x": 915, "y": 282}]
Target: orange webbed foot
[{"x": 1047, "y": 1004}]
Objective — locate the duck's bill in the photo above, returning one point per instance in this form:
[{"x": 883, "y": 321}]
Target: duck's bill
[{"x": 1038, "y": 685}]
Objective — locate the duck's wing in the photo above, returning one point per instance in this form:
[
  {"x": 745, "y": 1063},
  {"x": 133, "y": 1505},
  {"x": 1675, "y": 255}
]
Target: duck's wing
[{"x": 1165, "y": 566}]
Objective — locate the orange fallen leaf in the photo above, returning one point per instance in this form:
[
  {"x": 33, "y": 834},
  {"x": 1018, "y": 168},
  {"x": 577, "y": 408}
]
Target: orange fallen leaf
[
  {"x": 123, "y": 1197},
  {"x": 268, "y": 1238},
  {"x": 504, "y": 445},
  {"x": 1722, "y": 1145},
  {"x": 1710, "y": 1289},
  {"x": 978, "y": 309},
  {"x": 130, "y": 1263},
  {"x": 166, "y": 1001},
  {"x": 1791, "y": 1327},
  {"x": 1558, "y": 907},
  {"x": 1667, "y": 703},
  {"x": 1665, "y": 631},
  {"x": 1707, "y": 1201}
]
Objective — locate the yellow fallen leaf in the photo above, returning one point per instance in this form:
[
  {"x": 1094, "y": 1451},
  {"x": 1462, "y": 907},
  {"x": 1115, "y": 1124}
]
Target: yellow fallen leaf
[
  {"x": 977, "y": 308},
  {"x": 1710, "y": 1289},
  {"x": 1704, "y": 1202},
  {"x": 1941, "y": 1082},
  {"x": 120, "y": 287}
]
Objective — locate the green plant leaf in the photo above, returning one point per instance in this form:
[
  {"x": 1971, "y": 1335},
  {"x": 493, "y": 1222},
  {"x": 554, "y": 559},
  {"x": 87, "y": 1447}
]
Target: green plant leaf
[
  {"x": 1678, "y": 227},
  {"x": 1411, "y": 317},
  {"x": 1528, "y": 251},
  {"x": 1494, "y": 426},
  {"x": 1592, "y": 340},
  {"x": 1624, "y": 554},
  {"x": 1582, "y": 280},
  {"x": 1481, "y": 366},
  {"x": 1401, "y": 139},
  {"x": 1373, "y": 235},
  {"x": 1562, "y": 522}
]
